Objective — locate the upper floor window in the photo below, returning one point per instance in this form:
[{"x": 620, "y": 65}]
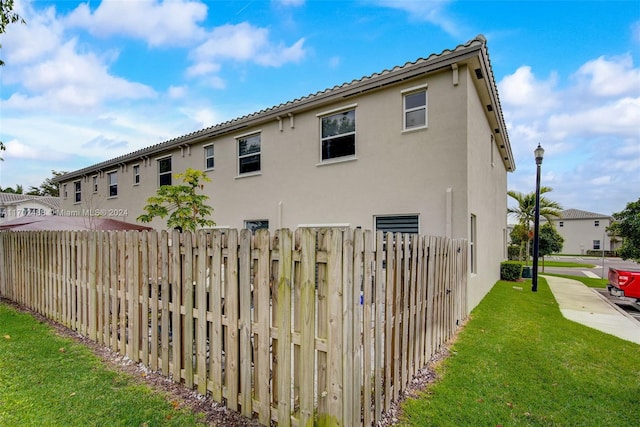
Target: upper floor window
[
  {"x": 64, "y": 190},
  {"x": 208, "y": 157},
  {"x": 77, "y": 190},
  {"x": 415, "y": 109},
  {"x": 339, "y": 135},
  {"x": 164, "y": 171},
  {"x": 136, "y": 174},
  {"x": 112, "y": 179},
  {"x": 561, "y": 223},
  {"x": 94, "y": 180},
  {"x": 596, "y": 223},
  {"x": 249, "y": 154},
  {"x": 3, "y": 212}
]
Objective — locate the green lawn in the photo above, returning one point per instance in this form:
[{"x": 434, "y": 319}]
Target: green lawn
[
  {"x": 46, "y": 380},
  {"x": 518, "y": 362}
]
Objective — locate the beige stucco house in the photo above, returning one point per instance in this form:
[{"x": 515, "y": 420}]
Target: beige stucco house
[
  {"x": 584, "y": 231},
  {"x": 422, "y": 147},
  {"x": 14, "y": 206}
]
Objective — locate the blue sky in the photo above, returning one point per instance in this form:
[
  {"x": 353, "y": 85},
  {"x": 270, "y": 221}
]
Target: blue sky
[{"x": 85, "y": 82}]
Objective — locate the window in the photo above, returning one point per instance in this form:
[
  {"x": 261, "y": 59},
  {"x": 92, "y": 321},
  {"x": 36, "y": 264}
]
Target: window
[
  {"x": 561, "y": 223},
  {"x": 339, "y": 135},
  {"x": 164, "y": 171},
  {"x": 472, "y": 245},
  {"x": 77, "y": 190},
  {"x": 136, "y": 174},
  {"x": 208, "y": 157},
  {"x": 256, "y": 224},
  {"x": 415, "y": 109},
  {"x": 3, "y": 212},
  {"x": 397, "y": 224},
  {"x": 249, "y": 154},
  {"x": 64, "y": 190},
  {"x": 596, "y": 223},
  {"x": 95, "y": 183},
  {"x": 596, "y": 244},
  {"x": 112, "y": 179}
]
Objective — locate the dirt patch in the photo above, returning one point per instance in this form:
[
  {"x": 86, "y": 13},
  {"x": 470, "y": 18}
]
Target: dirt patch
[{"x": 215, "y": 413}]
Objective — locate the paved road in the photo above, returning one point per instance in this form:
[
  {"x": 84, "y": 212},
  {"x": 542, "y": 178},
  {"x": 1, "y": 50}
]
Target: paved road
[{"x": 601, "y": 268}]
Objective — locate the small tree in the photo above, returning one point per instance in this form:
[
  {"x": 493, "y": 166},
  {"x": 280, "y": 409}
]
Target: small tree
[
  {"x": 48, "y": 187},
  {"x": 550, "y": 241},
  {"x": 627, "y": 227},
  {"x": 186, "y": 209}
]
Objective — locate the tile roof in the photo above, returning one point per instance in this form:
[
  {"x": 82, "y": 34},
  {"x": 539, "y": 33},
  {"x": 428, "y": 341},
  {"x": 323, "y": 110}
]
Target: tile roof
[
  {"x": 578, "y": 214},
  {"x": 7, "y": 199},
  {"x": 72, "y": 223},
  {"x": 475, "y": 47}
]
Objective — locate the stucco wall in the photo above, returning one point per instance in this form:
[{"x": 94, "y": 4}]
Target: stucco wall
[{"x": 443, "y": 173}]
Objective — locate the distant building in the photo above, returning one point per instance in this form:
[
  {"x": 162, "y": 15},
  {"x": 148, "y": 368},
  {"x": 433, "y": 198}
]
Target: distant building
[
  {"x": 14, "y": 206},
  {"x": 583, "y": 231}
]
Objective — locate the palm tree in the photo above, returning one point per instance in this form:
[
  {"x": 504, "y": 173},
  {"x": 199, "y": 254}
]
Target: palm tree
[{"x": 525, "y": 210}]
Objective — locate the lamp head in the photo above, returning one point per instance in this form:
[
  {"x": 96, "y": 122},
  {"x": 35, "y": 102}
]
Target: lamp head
[{"x": 539, "y": 153}]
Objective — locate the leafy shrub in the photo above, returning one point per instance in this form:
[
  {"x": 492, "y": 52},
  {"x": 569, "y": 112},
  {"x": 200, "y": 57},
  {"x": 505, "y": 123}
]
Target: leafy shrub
[
  {"x": 513, "y": 252},
  {"x": 510, "y": 270}
]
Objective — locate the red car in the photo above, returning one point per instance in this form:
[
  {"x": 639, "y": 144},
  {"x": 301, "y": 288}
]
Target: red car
[{"x": 624, "y": 283}]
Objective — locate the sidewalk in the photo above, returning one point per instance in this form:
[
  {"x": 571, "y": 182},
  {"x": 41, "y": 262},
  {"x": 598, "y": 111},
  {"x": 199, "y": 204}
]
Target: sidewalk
[{"x": 584, "y": 305}]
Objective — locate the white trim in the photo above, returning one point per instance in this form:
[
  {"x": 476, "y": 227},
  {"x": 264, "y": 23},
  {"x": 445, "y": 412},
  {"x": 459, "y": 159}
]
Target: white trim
[
  {"x": 337, "y": 110},
  {"x": 327, "y": 225},
  {"x": 414, "y": 89},
  {"x": 247, "y": 134},
  {"x": 246, "y": 175},
  {"x": 204, "y": 150},
  {"x": 335, "y": 160}
]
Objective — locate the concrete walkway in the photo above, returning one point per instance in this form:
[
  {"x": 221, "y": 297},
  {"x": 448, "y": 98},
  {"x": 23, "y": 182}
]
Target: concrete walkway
[{"x": 584, "y": 305}]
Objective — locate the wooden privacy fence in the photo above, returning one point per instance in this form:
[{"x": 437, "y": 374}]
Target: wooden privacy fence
[{"x": 326, "y": 326}]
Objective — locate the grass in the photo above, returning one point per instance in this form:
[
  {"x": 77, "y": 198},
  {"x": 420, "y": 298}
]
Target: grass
[
  {"x": 518, "y": 362},
  {"x": 591, "y": 282},
  {"x": 47, "y": 380}
]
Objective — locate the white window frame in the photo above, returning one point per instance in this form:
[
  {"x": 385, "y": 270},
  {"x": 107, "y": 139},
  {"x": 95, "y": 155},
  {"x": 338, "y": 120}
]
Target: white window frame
[
  {"x": 136, "y": 174},
  {"x": 111, "y": 184},
  {"x": 161, "y": 174},
  {"x": 336, "y": 111},
  {"x": 425, "y": 107},
  {"x": 247, "y": 222},
  {"x": 77, "y": 191},
  {"x": 207, "y": 157},
  {"x": 245, "y": 136},
  {"x": 94, "y": 183},
  {"x": 64, "y": 191}
]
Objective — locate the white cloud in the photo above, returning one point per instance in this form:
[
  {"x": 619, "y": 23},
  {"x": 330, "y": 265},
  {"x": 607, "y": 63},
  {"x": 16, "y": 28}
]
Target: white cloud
[
  {"x": 610, "y": 77},
  {"x": 27, "y": 43},
  {"x": 635, "y": 31},
  {"x": 293, "y": 3},
  {"x": 177, "y": 92},
  {"x": 17, "y": 150},
  {"x": 243, "y": 42},
  {"x": 433, "y": 11},
  {"x": 523, "y": 95},
  {"x": 159, "y": 23},
  {"x": 621, "y": 117}
]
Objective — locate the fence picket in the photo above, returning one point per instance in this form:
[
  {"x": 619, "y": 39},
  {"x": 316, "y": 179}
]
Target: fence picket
[{"x": 328, "y": 327}]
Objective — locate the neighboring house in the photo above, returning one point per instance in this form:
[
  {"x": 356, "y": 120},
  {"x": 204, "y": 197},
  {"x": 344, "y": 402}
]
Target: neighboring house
[
  {"x": 583, "y": 231},
  {"x": 420, "y": 148},
  {"x": 14, "y": 206}
]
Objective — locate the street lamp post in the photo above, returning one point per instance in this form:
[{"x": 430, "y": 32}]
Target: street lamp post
[{"x": 539, "y": 153}]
